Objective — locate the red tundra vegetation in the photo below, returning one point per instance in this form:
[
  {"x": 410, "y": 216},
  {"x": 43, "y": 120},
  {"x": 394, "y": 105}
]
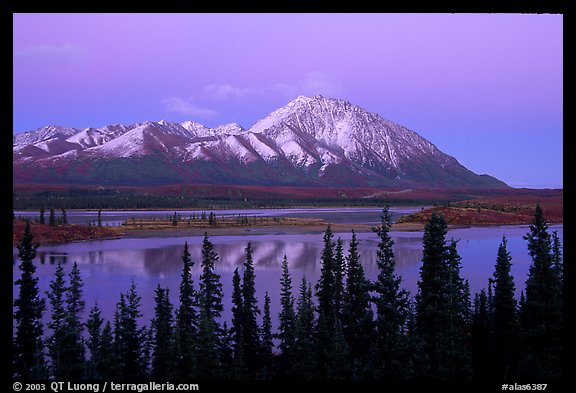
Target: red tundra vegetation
[
  {"x": 44, "y": 233},
  {"x": 498, "y": 210}
]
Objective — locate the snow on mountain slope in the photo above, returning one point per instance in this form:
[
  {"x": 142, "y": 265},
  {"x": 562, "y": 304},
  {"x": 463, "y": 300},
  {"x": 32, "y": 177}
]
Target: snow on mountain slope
[
  {"x": 228, "y": 129},
  {"x": 266, "y": 148},
  {"x": 43, "y": 134},
  {"x": 149, "y": 138},
  {"x": 90, "y": 137},
  {"x": 310, "y": 140},
  {"x": 197, "y": 129},
  {"x": 339, "y": 126}
]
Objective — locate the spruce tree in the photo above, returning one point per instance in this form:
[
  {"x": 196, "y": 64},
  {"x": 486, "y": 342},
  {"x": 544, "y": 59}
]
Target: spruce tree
[
  {"x": 28, "y": 350},
  {"x": 42, "y": 216},
  {"x": 52, "y": 218},
  {"x": 432, "y": 296},
  {"x": 557, "y": 259},
  {"x": 162, "y": 365},
  {"x": 325, "y": 284},
  {"x": 237, "y": 330},
  {"x": 392, "y": 347},
  {"x": 74, "y": 351},
  {"x": 237, "y": 306},
  {"x": 210, "y": 309},
  {"x": 266, "y": 339},
  {"x": 207, "y": 357},
  {"x": 147, "y": 347},
  {"x": 57, "y": 324},
  {"x": 456, "y": 352},
  {"x": 287, "y": 321},
  {"x": 542, "y": 310},
  {"x": 521, "y": 314},
  {"x": 94, "y": 328},
  {"x": 212, "y": 219},
  {"x": 129, "y": 338},
  {"x": 118, "y": 334},
  {"x": 339, "y": 365},
  {"x": 108, "y": 361},
  {"x": 504, "y": 340},
  {"x": 326, "y": 322},
  {"x": 305, "y": 365},
  {"x": 210, "y": 285},
  {"x": 226, "y": 352},
  {"x": 250, "y": 313},
  {"x": 66, "y": 344},
  {"x": 558, "y": 265},
  {"x": 480, "y": 339},
  {"x": 357, "y": 311},
  {"x": 442, "y": 306},
  {"x": 339, "y": 268},
  {"x": 186, "y": 321}
]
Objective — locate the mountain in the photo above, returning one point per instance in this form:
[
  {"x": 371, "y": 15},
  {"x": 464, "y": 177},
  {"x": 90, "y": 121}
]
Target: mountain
[{"x": 314, "y": 141}]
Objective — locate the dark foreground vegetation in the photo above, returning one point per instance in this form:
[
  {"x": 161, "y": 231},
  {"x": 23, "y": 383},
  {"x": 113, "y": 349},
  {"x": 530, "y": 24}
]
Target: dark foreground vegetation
[{"x": 342, "y": 327}]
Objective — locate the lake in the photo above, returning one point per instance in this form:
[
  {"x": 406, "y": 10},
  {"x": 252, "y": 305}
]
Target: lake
[{"x": 108, "y": 266}]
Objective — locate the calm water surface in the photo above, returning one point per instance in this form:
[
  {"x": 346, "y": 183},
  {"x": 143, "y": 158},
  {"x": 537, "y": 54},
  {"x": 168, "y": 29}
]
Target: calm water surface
[
  {"x": 334, "y": 215},
  {"x": 108, "y": 266}
]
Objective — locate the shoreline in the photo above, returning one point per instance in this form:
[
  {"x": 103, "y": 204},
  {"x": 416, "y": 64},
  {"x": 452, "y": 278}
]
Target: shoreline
[
  {"x": 229, "y": 226},
  {"x": 288, "y": 230},
  {"x": 243, "y": 231},
  {"x": 258, "y": 231}
]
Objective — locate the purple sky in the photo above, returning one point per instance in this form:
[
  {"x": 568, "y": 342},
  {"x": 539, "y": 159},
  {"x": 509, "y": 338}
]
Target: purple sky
[{"x": 484, "y": 88}]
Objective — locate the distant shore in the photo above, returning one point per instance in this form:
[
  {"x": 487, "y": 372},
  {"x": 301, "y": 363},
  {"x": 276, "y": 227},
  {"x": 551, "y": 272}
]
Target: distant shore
[{"x": 488, "y": 211}]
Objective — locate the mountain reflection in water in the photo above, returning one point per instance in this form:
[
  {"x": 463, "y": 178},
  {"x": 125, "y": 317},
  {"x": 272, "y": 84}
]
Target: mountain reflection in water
[{"x": 108, "y": 266}]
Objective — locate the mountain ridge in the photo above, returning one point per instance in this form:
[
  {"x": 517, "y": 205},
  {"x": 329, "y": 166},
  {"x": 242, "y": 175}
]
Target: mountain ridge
[{"x": 311, "y": 141}]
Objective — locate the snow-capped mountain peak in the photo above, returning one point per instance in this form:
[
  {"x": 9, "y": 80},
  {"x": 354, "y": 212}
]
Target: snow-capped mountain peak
[
  {"x": 229, "y": 129},
  {"x": 309, "y": 141}
]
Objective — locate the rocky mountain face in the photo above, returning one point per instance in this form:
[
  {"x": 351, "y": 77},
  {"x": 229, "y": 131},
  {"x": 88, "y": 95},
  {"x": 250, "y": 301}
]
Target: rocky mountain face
[{"x": 314, "y": 141}]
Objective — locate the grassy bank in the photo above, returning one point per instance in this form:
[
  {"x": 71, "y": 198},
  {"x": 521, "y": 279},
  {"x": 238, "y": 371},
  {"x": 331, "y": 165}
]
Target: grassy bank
[{"x": 64, "y": 233}]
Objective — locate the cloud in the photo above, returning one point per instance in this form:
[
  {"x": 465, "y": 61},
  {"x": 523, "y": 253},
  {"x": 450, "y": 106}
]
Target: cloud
[
  {"x": 226, "y": 91},
  {"x": 185, "y": 107},
  {"x": 65, "y": 52},
  {"x": 319, "y": 83},
  {"x": 313, "y": 83}
]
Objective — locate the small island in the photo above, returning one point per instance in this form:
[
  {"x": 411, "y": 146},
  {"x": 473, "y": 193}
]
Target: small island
[{"x": 213, "y": 221}]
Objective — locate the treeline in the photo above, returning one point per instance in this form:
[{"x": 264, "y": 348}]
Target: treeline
[
  {"x": 57, "y": 219},
  {"x": 343, "y": 327},
  {"x": 53, "y": 220},
  {"x": 112, "y": 199},
  {"x": 212, "y": 219}
]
